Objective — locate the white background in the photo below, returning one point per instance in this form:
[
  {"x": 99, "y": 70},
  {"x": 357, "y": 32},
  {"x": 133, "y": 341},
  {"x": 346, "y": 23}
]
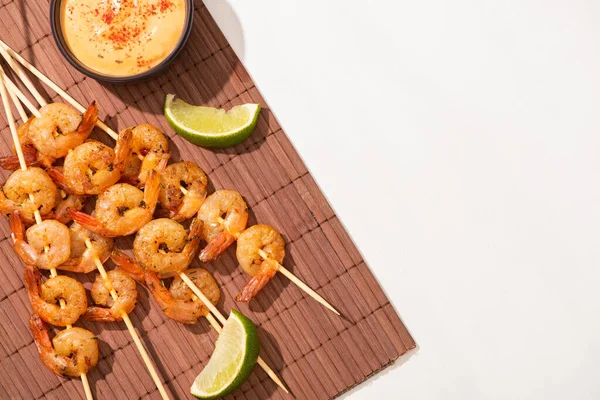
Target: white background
[{"x": 459, "y": 143}]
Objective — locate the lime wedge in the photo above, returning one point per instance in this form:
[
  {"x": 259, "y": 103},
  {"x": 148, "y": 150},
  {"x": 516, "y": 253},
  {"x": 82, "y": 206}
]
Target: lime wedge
[
  {"x": 235, "y": 355},
  {"x": 211, "y": 127}
]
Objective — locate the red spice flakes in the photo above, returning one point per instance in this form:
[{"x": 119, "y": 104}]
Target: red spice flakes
[
  {"x": 165, "y": 5},
  {"x": 109, "y": 15}
]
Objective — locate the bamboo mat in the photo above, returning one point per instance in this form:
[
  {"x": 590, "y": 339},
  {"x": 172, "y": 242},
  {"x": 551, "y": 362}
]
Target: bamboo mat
[{"x": 318, "y": 354}]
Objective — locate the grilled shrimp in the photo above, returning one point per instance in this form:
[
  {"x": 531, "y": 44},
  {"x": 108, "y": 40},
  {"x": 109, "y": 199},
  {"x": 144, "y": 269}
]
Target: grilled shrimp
[
  {"x": 126, "y": 289},
  {"x": 20, "y": 185},
  {"x": 62, "y": 208},
  {"x": 260, "y": 250},
  {"x": 92, "y": 166},
  {"x": 163, "y": 246},
  {"x": 123, "y": 209},
  {"x": 29, "y": 151},
  {"x": 61, "y": 128},
  {"x": 49, "y": 235},
  {"x": 183, "y": 204},
  {"x": 82, "y": 258},
  {"x": 225, "y": 215},
  {"x": 45, "y": 297},
  {"x": 147, "y": 147},
  {"x": 178, "y": 302},
  {"x": 72, "y": 352}
]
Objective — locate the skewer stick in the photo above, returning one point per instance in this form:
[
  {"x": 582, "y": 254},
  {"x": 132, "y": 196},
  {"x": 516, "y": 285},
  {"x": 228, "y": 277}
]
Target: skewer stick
[
  {"x": 7, "y": 52},
  {"x": 114, "y": 135},
  {"x": 130, "y": 327},
  {"x": 38, "y": 218},
  {"x": 12, "y": 88},
  {"x": 222, "y": 319},
  {"x": 22, "y": 75},
  {"x": 292, "y": 277},
  {"x": 299, "y": 283}
]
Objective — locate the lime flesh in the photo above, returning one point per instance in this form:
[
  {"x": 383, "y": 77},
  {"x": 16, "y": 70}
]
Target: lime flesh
[
  {"x": 211, "y": 127},
  {"x": 234, "y": 358}
]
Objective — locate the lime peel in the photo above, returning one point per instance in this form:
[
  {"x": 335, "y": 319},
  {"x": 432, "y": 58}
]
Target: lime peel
[
  {"x": 234, "y": 358},
  {"x": 211, "y": 127}
]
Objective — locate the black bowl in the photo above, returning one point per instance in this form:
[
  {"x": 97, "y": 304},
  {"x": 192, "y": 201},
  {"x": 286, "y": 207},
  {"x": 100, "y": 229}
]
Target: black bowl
[{"x": 57, "y": 32}]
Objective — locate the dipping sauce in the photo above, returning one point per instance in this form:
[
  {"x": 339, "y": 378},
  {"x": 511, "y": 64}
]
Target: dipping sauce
[{"x": 122, "y": 38}]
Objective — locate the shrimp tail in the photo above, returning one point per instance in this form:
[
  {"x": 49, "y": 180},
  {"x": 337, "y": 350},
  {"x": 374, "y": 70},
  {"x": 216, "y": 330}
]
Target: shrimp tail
[
  {"x": 90, "y": 223},
  {"x": 17, "y": 227},
  {"x": 216, "y": 247},
  {"x": 152, "y": 189},
  {"x": 89, "y": 120},
  {"x": 11, "y": 163},
  {"x": 72, "y": 203},
  {"x": 159, "y": 292},
  {"x": 128, "y": 265},
  {"x": 59, "y": 179},
  {"x": 33, "y": 281},
  {"x": 255, "y": 285},
  {"x": 123, "y": 148},
  {"x": 101, "y": 314},
  {"x": 17, "y": 230},
  {"x": 40, "y": 333}
]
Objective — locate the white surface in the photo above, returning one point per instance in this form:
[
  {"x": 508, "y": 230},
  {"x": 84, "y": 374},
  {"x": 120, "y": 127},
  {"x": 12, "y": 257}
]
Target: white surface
[{"x": 485, "y": 116}]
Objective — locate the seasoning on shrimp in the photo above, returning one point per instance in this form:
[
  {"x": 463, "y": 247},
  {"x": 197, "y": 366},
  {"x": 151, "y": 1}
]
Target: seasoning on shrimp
[
  {"x": 253, "y": 245},
  {"x": 62, "y": 208},
  {"x": 224, "y": 215},
  {"x": 92, "y": 166},
  {"x": 15, "y": 194},
  {"x": 48, "y": 243},
  {"x": 61, "y": 128},
  {"x": 178, "y": 301},
  {"x": 112, "y": 310},
  {"x": 72, "y": 352},
  {"x": 147, "y": 147},
  {"x": 164, "y": 247},
  {"x": 123, "y": 209},
  {"x": 182, "y": 204},
  {"x": 30, "y": 153},
  {"x": 82, "y": 257},
  {"x": 44, "y": 297}
]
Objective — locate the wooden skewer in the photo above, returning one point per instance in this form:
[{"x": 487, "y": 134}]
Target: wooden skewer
[
  {"x": 127, "y": 320},
  {"x": 291, "y": 277},
  {"x": 102, "y": 271},
  {"x": 10, "y": 54},
  {"x": 222, "y": 319},
  {"x": 22, "y": 75},
  {"x": 114, "y": 135},
  {"x": 38, "y": 218},
  {"x": 12, "y": 88},
  {"x": 298, "y": 282}
]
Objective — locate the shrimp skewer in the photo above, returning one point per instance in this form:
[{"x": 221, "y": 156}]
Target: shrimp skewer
[
  {"x": 92, "y": 166},
  {"x": 123, "y": 209},
  {"x": 260, "y": 252},
  {"x": 114, "y": 310},
  {"x": 224, "y": 215},
  {"x": 178, "y": 301},
  {"x": 38, "y": 218},
  {"x": 183, "y": 190},
  {"x": 163, "y": 246},
  {"x": 72, "y": 352}
]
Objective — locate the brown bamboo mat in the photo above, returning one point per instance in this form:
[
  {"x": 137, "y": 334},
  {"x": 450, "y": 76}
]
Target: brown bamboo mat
[{"x": 318, "y": 354}]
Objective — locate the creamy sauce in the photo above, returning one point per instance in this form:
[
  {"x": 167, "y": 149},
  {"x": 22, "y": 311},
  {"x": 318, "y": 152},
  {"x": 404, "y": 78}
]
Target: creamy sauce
[{"x": 122, "y": 37}]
